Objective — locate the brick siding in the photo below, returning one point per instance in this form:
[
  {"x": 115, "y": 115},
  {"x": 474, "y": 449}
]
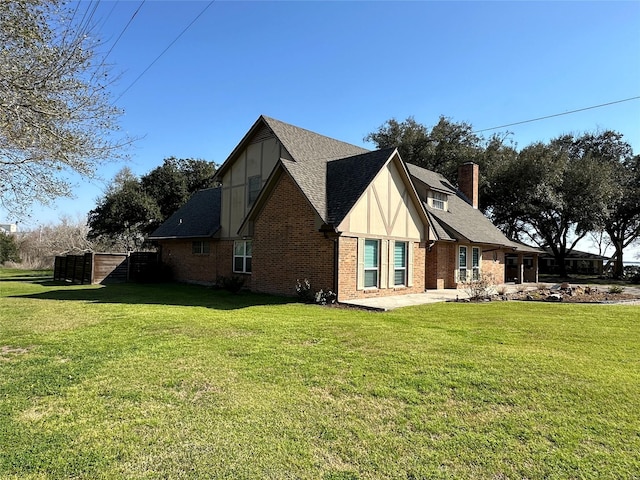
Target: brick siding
[
  {"x": 440, "y": 266},
  {"x": 348, "y": 268},
  {"x": 287, "y": 244},
  {"x": 188, "y": 267},
  {"x": 442, "y": 263},
  {"x": 493, "y": 264},
  {"x": 200, "y": 268}
]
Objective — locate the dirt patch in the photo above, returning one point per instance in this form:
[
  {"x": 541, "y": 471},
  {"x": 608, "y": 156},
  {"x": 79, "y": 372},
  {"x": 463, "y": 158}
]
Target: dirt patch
[{"x": 8, "y": 352}]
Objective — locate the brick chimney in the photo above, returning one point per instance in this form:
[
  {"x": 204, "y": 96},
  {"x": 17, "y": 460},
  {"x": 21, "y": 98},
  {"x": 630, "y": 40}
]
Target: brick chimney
[{"x": 468, "y": 177}]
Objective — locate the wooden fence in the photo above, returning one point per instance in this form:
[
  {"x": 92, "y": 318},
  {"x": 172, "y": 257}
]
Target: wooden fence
[{"x": 106, "y": 267}]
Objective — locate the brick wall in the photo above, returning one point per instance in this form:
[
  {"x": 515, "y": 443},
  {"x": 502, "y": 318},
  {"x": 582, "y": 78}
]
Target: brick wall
[
  {"x": 287, "y": 244},
  {"x": 442, "y": 263},
  {"x": 348, "y": 268},
  {"x": 200, "y": 268},
  {"x": 440, "y": 266},
  {"x": 468, "y": 179},
  {"x": 493, "y": 264},
  {"x": 189, "y": 267}
]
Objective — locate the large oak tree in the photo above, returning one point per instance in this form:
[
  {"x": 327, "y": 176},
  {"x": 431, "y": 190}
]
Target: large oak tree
[
  {"x": 553, "y": 193},
  {"x": 133, "y": 207}
]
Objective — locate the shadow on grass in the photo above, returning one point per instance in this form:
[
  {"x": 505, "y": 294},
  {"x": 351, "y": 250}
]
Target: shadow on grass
[
  {"x": 28, "y": 278},
  {"x": 154, "y": 294}
]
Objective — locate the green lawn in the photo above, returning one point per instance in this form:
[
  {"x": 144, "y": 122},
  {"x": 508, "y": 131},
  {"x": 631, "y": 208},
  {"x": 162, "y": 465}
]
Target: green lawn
[{"x": 174, "y": 381}]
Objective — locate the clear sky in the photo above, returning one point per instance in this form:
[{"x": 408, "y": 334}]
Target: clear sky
[{"x": 343, "y": 68}]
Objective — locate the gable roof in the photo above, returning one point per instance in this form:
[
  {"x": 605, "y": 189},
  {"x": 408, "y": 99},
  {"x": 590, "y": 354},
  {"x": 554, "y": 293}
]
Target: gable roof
[
  {"x": 460, "y": 221},
  {"x": 198, "y": 218},
  {"x": 307, "y": 146},
  {"x": 309, "y": 153},
  {"x": 348, "y": 178},
  {"x": 333, "y": 175}
]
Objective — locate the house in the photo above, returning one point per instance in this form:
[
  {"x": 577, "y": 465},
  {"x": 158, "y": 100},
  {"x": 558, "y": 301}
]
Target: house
[
  {"x": 576, "y": 262},
  {"x": 293, "y": 204},
  {"x": 8, "y": 228}
]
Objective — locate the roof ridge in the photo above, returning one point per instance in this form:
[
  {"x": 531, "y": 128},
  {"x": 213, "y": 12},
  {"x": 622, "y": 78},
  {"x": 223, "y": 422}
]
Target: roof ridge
[
  {"x": 268, "y": 119},
  {"x": 368, "y": 152}
]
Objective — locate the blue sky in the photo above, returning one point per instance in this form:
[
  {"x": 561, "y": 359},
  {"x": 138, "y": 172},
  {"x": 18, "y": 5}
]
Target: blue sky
[{"x": 343, "y": 68}]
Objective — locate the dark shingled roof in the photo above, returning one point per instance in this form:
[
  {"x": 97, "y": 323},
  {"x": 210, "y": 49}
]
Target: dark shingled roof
[
  {"x": 348, "y": 178},
  {"x": 460, "y": 221},
  {"x": 198, "y": 218},
  {"x": 310, "y": 152},
  {"x": 434, "y": 180}
]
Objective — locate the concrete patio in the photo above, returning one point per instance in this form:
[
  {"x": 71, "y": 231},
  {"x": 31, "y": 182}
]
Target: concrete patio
[{"x": 430, "y": 296}]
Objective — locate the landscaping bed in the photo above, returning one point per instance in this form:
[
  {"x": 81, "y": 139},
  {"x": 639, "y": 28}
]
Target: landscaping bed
[{"x": 570, "y": 293}]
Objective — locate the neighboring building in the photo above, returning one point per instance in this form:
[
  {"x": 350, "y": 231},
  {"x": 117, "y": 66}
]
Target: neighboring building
[
  {"x": 8, "y": 228},
  {"x": 576, "y": 262},
  {"x": 294, "y": 204}
]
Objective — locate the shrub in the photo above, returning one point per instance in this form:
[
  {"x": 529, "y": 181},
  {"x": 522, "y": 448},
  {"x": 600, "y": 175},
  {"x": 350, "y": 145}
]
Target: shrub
[
  {"x": 303, "y": 289},
  {"x": 8, "y": 249},
  {"x": 632, "y": 273},
  {"x": 327, "y": 297},
  {"x": 232, "y": 284},
  {"x": 321, "y": 297},
  {"x": 616, "y": 289},
  {"x": 481, "y": 288}
]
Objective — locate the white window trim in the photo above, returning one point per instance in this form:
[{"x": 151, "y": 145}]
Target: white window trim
[
  {"x": 472, "y": 273},
  {"x": 475, "y": 269},
  {"x": 404, "y": 268},
  {"x": 437, "y": 200},
  {"x": 376, "y": 268},
  {"x": 386, "y": 258},
  {"x": 244, "y": 256},
  {"x": 459, "y": 267}
]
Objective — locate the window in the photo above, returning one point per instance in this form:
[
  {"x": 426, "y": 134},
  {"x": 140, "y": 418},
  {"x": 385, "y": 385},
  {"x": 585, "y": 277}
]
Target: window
[
  {"x": 475, "y": 263},
  {"x": 242, "y": 256},
  {"x": 371, "y": 263},
  {"x": 200, "y": 247},
  {"x": 400, "y": 263},
  {"x": 438, "y": 200},
  {"x": 466, "y": 263},
  {"x": 462, "y": 264},
  {"x": 254, "y": 189}
]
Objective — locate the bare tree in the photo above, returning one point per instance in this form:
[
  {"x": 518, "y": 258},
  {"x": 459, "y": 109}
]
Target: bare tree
[
  {"x": 56, "y": 117},
  {"x": 38, "y": 247},
  {"x": 600, "y": 240}
]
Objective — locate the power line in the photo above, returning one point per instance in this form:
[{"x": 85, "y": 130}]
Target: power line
[
  {"x": 164, "y": 51},
  {"x": 559, "y": 114},
  {"x": 104, "y": 59},
  {"x": 123, "y": 30}
]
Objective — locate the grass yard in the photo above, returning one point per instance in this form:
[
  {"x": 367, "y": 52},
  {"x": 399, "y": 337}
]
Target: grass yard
[{"x": 175, "y": 381}]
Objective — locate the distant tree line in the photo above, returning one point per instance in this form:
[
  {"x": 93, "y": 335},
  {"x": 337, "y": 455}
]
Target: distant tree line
[{"x": 550, "y": 193}]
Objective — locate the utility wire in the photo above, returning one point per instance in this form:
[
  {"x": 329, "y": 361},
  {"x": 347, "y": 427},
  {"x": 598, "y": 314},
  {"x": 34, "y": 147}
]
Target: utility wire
[
  {"x": 558, "y": 114},
  {"x": 104, "y": 59},
  {"x": 164, "y": 51},
  {"x": 123, "y": 30}
]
